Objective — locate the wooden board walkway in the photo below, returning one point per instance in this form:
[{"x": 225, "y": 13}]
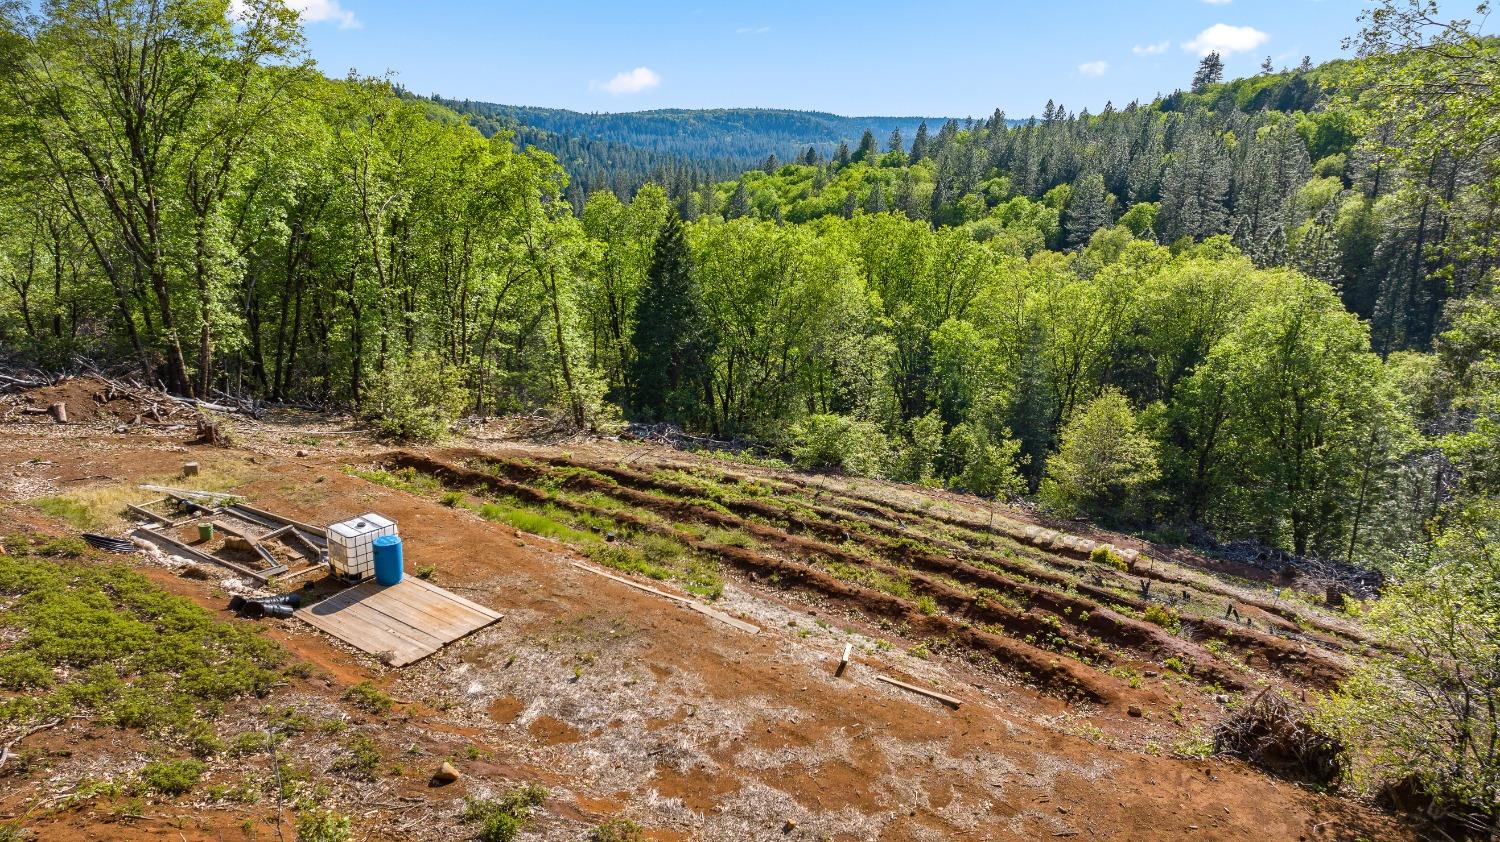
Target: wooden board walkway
[{"x": 400, "y": 623}]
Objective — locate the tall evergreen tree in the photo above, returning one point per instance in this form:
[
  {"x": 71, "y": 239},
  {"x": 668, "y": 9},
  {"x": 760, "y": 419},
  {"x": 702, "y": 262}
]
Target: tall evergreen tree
[
  {"x": 867, "y": 148},
  {"x": 1088, "y": 209},
  {"x": 896, "y": 142},
  {"x": 1210, "y": 72},
  {"x": 671, "y": 338},
  {"x": 739, "y": 203},
  {"x": 919, "y": 143}
]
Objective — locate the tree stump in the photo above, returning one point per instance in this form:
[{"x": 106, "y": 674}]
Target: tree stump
[{"x": 59, "y": 412}]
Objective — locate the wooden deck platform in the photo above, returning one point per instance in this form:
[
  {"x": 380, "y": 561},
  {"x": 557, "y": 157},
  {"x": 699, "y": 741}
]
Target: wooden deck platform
[{"x": 399, "y": 623}]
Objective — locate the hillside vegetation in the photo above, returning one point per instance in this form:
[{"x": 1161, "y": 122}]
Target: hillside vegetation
[{"x": 1260, "y": 310}]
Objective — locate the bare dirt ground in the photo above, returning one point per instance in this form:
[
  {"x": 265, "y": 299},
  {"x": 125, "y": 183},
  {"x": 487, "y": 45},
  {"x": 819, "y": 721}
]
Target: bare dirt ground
[{"x": 624, "y": 704}]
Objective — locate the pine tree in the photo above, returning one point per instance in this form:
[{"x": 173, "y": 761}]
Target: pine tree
[
  {"x": 867, "y": 148},
  {"x": 875, "y": 202},
  {"x": 739, "y": 203},
  {"x": 842, "y": 158},
  {"x": 1306, "y": 65},
  {"x": 850, "y": 203},
  {"x": 771, "y": 165},
  {"x": 671, "y": 340},
  {"x": 810, "y": 157},
  {"x": 1267, "y": 67},
  {"x": 896, "y": 143},
  {"x": 919, "y": 143},
  {"x": 1210, "y": 72},
  {"x": 1316, "y": 253},
  {"x": 1088, "y": 209}
]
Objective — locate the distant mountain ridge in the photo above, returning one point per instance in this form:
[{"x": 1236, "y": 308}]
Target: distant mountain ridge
[{"x": 700, "y": 134}]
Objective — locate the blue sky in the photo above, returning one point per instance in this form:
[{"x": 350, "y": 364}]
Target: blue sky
[{"x": 910, "y": 57}]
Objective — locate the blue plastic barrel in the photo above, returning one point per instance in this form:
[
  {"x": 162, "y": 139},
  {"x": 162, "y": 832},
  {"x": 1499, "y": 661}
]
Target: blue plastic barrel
[{"x": 388, "y": 559}]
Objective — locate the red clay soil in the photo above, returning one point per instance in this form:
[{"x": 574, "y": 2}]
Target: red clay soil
[
  {"x": 1296, "y": 662},
  {"x": 1051, "y": 671},
  {"x": 729, "y": 735}
]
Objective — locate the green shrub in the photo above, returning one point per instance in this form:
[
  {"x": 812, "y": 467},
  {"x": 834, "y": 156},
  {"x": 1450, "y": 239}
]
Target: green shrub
[
  {"x": 416, "y": 398},
  {"x": 1103, "y": 460},
  {"x": 617, "y": 830},
  {"x": 359, "y": 759},
  {"x": 837, "y": 442},
  {"x": 315, "y": 825},
  {"x": 22, "y": 671},
  {"x": 503, "y": 820},
  {"x": 1163, "y": 616},
  {"x": 171, "y": 777},
  {"x": 1108, "y": 557},
  {"x": 129, "y": 652},
  {"x": 369, "y": 698}
]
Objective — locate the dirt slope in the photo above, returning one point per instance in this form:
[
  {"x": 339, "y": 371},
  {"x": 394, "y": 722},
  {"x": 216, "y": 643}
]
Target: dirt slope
[{"x": 625, "y": 704}]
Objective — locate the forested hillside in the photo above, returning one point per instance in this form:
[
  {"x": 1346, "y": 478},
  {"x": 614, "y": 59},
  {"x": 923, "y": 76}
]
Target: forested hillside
[
  {"x": 682, "y": 148},
  {"x": 1262, "y": 309},
  {"x": 1280, "y": 312}
]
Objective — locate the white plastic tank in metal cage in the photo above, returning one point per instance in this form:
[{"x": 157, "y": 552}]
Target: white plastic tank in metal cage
[{"x": 351, "y": 544}]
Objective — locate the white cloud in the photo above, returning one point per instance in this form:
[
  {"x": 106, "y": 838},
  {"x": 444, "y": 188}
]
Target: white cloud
[
  {"x": 311, "y": 11},
  {"x": 1226, "y": 40},
  {"x": 1151, "y": 49},
  {"x": 1093, "y": 68},
  {"x": 632, "y": 81},
  {"x": 752, "y": 30}
]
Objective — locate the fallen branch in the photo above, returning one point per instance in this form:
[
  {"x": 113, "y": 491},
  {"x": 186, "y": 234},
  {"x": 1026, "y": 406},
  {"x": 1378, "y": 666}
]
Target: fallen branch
[
  {"x": 923, "y": 691},
  {"x": 5, "y": 753}
]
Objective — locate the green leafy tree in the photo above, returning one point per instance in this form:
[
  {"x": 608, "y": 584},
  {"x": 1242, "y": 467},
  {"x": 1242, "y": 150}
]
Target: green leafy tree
[
  {"x": 1426, "y": 706},
  {"x": 1103, "y": 460}
]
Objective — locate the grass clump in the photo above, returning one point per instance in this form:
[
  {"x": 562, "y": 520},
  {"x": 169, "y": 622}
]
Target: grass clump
[
  {"x": 102, "y": 640},
  {"x": 617, "y": 830},
  {"x": 316, "y": 825},
  {"x": 402, "y": 479},
  {"x": 71, "y": 511},
  {"x": 1163, "y": 616},
  {"x": 360, "y": 758},
  {"x": 171, "y": 777},
  {"x": 369, "y": 698},
  {"x": 548, "y": 523},
  {"x": 503, "y": 820}
]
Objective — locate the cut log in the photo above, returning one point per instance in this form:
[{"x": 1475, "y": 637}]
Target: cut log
[
  {"x": 59, "y": 412},
  {"x": 923, "y": 691}
]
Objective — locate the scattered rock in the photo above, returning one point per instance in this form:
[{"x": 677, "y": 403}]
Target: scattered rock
[
  {"x": 789, "y": 826},
  {"x": 195, "y": 571},
  {"x": 446, "y": 773},
  {"x": 302, "y": 454},
  {"x": 1135, "y": 711}
]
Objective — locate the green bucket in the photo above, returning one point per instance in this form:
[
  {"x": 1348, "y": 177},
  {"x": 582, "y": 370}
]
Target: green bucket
[{"x": 205, "y": 531}]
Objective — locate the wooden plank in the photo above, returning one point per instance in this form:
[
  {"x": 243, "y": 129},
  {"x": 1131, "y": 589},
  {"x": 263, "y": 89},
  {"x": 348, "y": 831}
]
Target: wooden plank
[
  {"x": 705, "y": 610},
  {"x": 931, "y": 694},
  {"x": 177, "y": 548},
  {"x": 426, "y": 614},
  {"x": 408, "y": 621},
  {"x": 451, "y": 596},
  {"x": 316, "y": 531},
  {"x": 148, "y": 514},
  {"x": 371, "y": 636},
  {"x": 365, "y": 626},
  {"x": 439, "y": 607}
]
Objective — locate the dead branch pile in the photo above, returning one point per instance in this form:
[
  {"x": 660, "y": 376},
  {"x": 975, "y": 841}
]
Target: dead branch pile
[{"x": 1273, "y": 733}]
